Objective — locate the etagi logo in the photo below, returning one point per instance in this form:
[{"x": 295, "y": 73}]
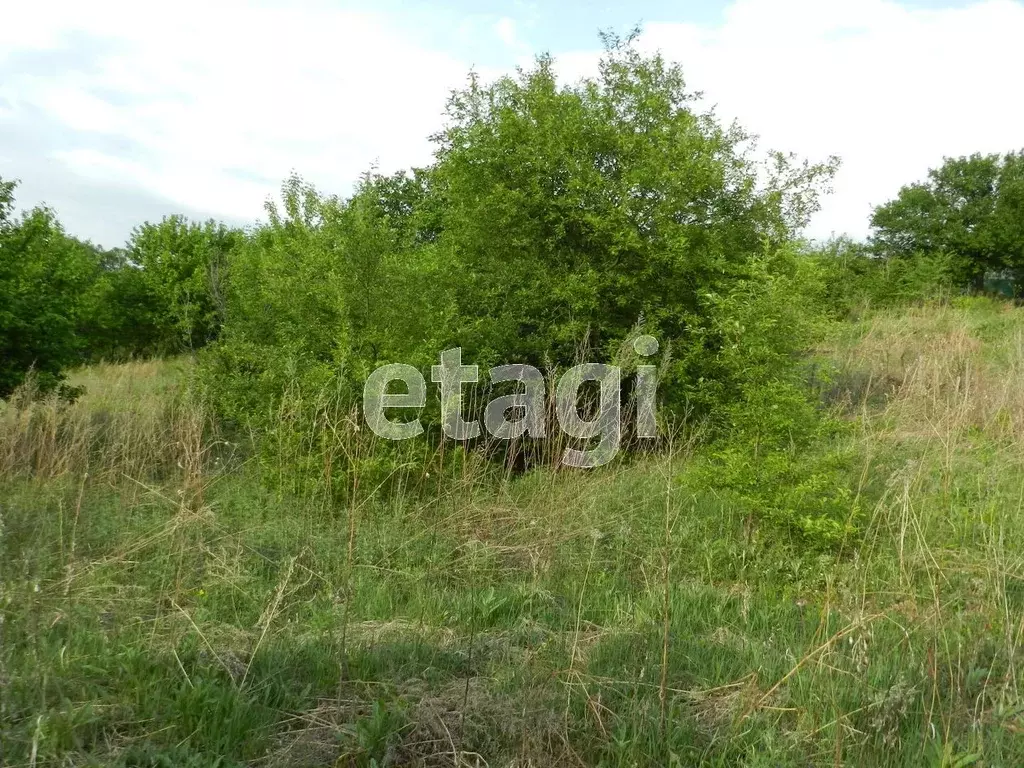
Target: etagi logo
[{"x": 451, "y": 374}]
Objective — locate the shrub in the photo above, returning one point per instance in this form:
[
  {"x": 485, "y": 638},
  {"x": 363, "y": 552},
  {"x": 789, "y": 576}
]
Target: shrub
[
  {"x": 322, "y": 294},
  {"x": 855, "y": 279},
  {"x": 593, "y": 210},
  {"x": 184, "y": 276},
  {"x": 554, "y": 219}
]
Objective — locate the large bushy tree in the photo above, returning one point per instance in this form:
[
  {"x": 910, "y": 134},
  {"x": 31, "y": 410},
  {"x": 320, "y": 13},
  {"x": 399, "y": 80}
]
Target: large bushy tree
[
  {"x": 554, "y": 216},
  {"x": 572, "y": 212},
  {"x": 970, "y": 209}
]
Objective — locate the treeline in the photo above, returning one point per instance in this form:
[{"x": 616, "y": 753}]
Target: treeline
[
  {"x": 959, "y": 230},
  {"x": 555, "y": 224},
  {"x": 65, "y": 302}
]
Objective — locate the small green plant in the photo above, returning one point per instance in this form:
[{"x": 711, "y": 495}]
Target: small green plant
[{"x": 378, "y": 734}]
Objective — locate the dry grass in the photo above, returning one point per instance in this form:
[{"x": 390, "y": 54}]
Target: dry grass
[
  {"x": 944, "y": 372},
  {"x": 135, "y": 420}
]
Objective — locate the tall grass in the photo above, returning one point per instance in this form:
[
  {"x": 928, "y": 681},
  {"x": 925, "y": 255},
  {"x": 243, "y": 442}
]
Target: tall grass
[
  {"x": 135, "y": 420},
  {"x": 168, "y": 603}
]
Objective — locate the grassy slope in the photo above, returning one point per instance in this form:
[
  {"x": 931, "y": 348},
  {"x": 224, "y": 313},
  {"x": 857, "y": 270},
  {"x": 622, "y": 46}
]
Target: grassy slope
[{"x": 167, "y": 609}]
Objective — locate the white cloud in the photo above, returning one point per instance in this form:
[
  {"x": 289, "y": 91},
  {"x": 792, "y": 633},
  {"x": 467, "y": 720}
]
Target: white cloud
[
  {"x": 211, "y": 104},
  {"x": 889, "y": 89},
  {"x": 203, "y": 91},
  {"x": 505, "y": 29}
]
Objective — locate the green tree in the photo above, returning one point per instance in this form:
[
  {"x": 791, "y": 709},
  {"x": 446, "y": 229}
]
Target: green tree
[
  {"x": 323, "y": 293},
  {"x": 6, "y": 202},
  {"x": 122, "y": 316},
  {"x": 970, "y": 208},
  {"x": 184, "y": 263},
  {"x": 570, "y": 213},
  {"x": 553, "y": 217},
  {"x": 43, "y": 275},
  {"x": 555, "y": 220}
]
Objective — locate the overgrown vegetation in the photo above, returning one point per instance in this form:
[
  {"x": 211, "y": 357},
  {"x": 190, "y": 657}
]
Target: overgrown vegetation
[
  {"x": 206, "y": 558},
  {"x": 162, "y": 606},
  {"x": 556, "y": 223}
]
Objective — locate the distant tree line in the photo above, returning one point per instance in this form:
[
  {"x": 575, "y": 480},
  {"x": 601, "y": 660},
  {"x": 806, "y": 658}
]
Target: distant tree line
[
  {"x": 64, "y": 301},
  {"x": 961, "y": 229}
]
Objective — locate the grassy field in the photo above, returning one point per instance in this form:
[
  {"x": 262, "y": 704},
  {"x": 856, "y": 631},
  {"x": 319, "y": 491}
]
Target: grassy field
[{"x": 164, "y": 605}]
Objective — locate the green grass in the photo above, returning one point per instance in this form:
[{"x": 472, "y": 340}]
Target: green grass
[{"x": 177, "y": 610}]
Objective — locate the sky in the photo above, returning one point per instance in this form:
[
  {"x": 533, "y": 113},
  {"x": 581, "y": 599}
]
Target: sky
[{"x": 115, "y": 113}]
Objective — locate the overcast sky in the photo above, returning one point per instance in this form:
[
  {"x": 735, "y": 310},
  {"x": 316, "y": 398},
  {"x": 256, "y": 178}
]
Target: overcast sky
[{"x": 116, "y": 113}]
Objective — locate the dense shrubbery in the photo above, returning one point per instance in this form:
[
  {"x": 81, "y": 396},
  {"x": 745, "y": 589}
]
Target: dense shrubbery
[
  {"x": 184, "y": 265},
  {"x": 320, "y": 295},
  {"x": 555, "y": 224},
  {"x": 854, "y": 278},
  {"x": 43, "y": 274},
  {"x": 589, "y": 211}
]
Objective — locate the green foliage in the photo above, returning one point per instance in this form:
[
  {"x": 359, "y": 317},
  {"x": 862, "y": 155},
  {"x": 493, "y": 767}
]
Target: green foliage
[
  {"x": 768, "y": 597},
  {"x": 43, "y": 275},
  {"x": 378, "y": 735},
  {"x": 775, "y": 454},
  {"x": 801, "y": 488},
  {"x": 184, "y": 277},
  {"x": 572, "y": 213},
  {"x": 687, "y": 609},
  {"x": 65, "y": 301},
  {"x": 121, "y": 316},
  {"x": 161, "y": 294},
  {"x": 555, "y": 223},
  {"x": 321, "y": 295},
  {"x": 971, "y": 208},
  {"x": 6, "y": 201},
  {"x": 853, "y": 279},
  {"x": 961, "y": 228}
]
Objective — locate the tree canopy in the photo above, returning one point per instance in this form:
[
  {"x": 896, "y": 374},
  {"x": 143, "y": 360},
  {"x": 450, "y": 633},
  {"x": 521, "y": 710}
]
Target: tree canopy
[
  {"x": 969, "y": 208},
  {"x": 556, "y": 221},
  {"x": 64, "y": 301},
  {"x": 572, "y": 212}
]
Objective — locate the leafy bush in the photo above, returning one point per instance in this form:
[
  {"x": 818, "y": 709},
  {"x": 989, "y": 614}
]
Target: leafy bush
[
  {"x": 554, "y": 219},
  {"x": 122, "y": 316},
  {"x": 582, "y": 211},
  {"x": 855, "y": 279},
  {"x": 322, "y": 294},
  {"x": 183, "y": 271}
]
